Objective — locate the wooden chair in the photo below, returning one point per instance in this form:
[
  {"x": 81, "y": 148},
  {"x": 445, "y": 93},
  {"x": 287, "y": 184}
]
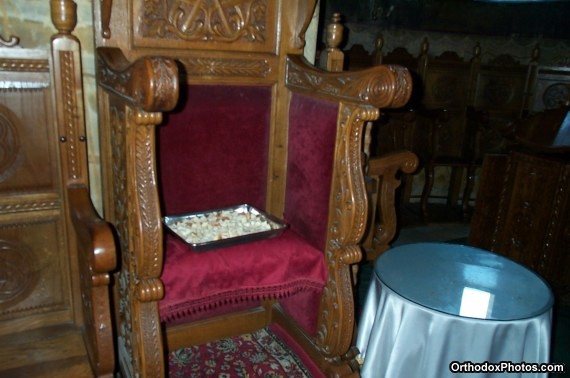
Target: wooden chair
[
  {"x": 499, "y": 94},
  {"x": 57, "y": 254},
  {"x": 397, "y": 129},
  {"x": 383, "y": 179},
  {"x": 231, "y": 113},
  {"x": 450, "y": 138},
  {"x": 502, "y": 86},
  {"x": 383, "y": 172}
]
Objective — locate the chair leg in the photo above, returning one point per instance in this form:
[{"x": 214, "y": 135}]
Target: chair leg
[
  {"x": 470, "y": 181},
  {"x": 455, "y": 182},
  {"x": 428, "y": 185}
]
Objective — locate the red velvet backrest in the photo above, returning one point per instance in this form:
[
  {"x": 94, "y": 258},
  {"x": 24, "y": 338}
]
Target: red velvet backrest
[
  {"x": 212, "y": 150},
  {"x": 312, "y": 135}
]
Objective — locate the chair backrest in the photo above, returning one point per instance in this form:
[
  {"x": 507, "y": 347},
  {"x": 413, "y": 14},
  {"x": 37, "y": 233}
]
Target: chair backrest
[
  {"x": 227, "y": 127},
  {"x": 447, "y": 81},
  {"x": 502, "y": 86}
]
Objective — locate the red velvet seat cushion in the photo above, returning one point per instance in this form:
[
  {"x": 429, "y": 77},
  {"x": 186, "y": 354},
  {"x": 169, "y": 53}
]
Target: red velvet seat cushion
[{"x": 271, "y": 268}]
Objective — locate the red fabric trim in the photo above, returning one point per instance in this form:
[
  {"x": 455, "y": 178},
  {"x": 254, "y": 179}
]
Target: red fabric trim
[{"x": 272, "y": 268}]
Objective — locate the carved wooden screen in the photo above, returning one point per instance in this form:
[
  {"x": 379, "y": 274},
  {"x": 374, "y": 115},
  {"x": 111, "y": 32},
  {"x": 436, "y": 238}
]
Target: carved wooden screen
[{"x": 35, "y": 280}]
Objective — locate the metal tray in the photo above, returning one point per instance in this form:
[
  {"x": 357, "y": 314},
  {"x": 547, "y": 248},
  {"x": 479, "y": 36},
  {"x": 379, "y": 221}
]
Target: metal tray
[{"x": 276, "y": 227}]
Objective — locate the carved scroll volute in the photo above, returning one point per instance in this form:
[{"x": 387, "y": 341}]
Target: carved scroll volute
[
  {"x": 11, "y": 42},
  {"x": 150, "y": 83},
  {"x": 154, "y": 84},
  {"x": 63, "y": 15},
  {"x": 385, "y": 86}
]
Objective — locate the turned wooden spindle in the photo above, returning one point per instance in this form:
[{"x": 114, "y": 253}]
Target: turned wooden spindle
[
  {"x": 332, "y": 59},
  {"x": 64, "y": 15}
]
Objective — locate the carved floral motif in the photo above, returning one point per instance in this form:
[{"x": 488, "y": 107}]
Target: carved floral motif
[
  {"x": 206, "y": 20},
  {"x": 18, "y": 272},
  {"x": 555, "y": 95},
  {"x": 226, "y": 67}
]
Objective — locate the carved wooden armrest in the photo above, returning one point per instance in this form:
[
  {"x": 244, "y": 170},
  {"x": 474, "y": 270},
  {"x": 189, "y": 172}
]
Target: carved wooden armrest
[
  {"x": 97, "y": 258},
  {"x": 151, "y": 83},
  {"x": 385, "y": 170},
  {"x": 92, "y": 232},
  {"x": 383, "y": 86}
]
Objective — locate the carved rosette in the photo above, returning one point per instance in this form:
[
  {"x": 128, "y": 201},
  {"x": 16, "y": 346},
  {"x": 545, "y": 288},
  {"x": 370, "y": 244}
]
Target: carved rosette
[
  {"x": 206, "y": 20},
  {"x": 555, "y": 95},
  {"x": 345, "y": 232},
  {"x": 19, "y": 273}
]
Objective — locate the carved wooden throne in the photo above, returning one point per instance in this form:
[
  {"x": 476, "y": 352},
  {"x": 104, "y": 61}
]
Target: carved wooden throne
[
  {"x": 56, "y": 254},
  {"x": 205, "y": 106}
]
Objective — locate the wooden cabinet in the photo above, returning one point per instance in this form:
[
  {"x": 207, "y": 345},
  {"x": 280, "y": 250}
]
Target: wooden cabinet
[{"x": 523, "y": 212}]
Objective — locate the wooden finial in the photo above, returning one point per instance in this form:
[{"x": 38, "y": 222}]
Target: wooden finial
[
  {"x": 64, "y": 15},
  {"x": 335, "y": 32},
  {"x": 332, "y": 59}
]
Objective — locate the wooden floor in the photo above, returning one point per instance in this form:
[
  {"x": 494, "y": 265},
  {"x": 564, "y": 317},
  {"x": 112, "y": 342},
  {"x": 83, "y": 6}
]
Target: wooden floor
[{"x": 57, "y": 351}]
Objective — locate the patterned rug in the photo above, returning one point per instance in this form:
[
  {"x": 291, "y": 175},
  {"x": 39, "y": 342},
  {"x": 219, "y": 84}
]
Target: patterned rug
[{"x": 259, "y": 354}]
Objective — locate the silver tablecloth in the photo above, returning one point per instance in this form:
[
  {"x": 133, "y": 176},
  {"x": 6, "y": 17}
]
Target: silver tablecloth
[{"x": 398, "y": 337}]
